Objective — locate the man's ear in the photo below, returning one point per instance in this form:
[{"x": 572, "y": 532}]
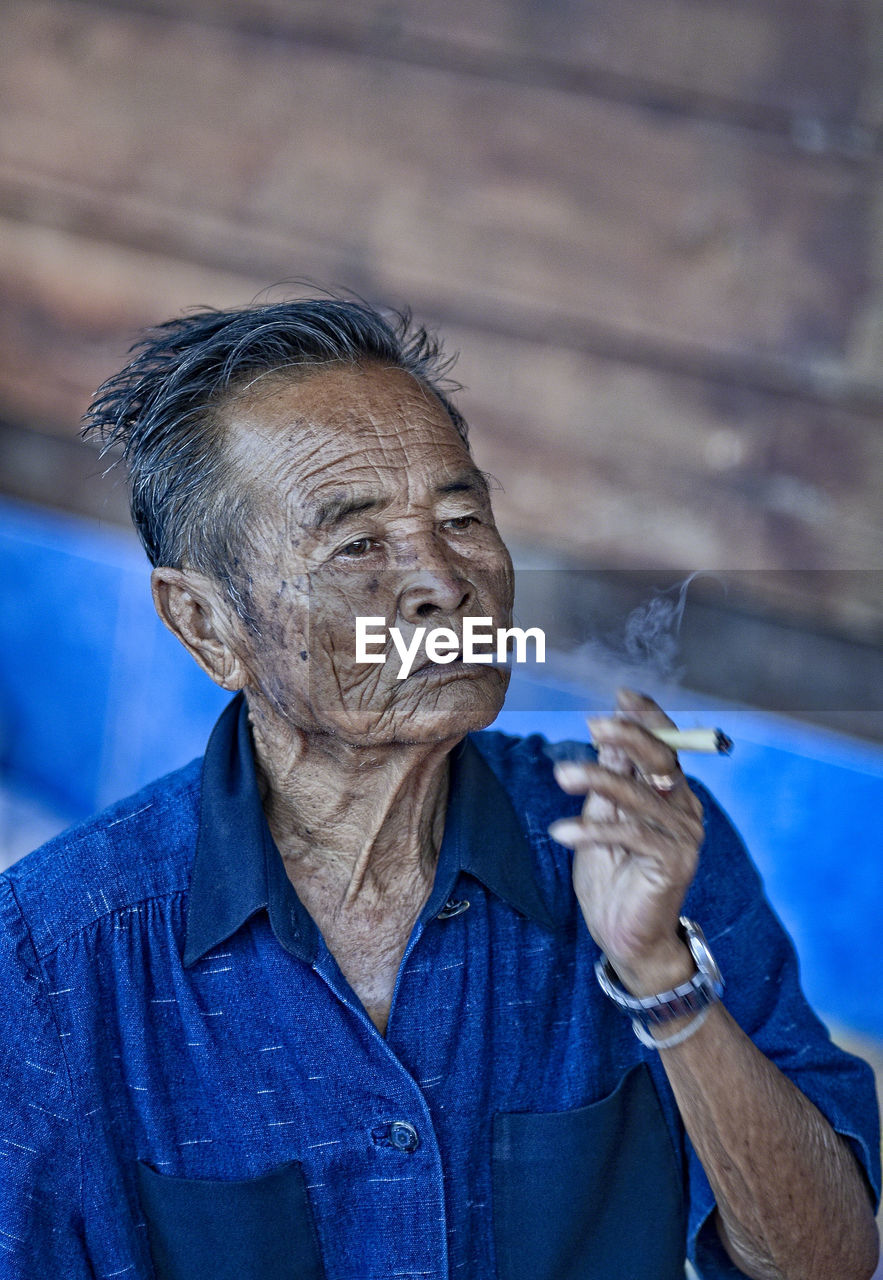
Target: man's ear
[{"x": 194, "y": 609}]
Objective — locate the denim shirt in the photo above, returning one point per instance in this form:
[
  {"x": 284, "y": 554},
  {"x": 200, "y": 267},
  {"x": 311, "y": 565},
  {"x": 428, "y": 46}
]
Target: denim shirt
[{"x": 190, "y": 1088}]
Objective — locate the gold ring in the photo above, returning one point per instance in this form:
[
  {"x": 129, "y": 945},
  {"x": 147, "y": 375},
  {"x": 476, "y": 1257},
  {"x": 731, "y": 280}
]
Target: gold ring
[{"x": 663, "y": 782}]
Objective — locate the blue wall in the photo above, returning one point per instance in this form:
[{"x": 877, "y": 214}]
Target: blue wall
[{"x": 96, "y": 698}]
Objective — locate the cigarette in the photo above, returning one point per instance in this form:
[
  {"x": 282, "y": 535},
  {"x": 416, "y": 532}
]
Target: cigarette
[{"x": 709, "y": 741}]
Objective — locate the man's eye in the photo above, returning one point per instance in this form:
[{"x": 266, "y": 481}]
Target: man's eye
[
  {"x": 359, "y": 547},
  {"x": 459, "y": 523}
]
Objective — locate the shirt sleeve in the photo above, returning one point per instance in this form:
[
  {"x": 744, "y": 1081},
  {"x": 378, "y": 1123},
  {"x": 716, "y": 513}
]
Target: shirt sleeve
[
  {"x": 41, "y": 1232},
  {"x": 763, "y": 994}
]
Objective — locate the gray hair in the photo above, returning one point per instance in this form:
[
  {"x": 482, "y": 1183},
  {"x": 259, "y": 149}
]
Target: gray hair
[{"x": 163, "y": 411}]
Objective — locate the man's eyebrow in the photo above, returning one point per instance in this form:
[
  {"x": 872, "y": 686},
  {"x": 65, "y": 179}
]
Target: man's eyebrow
[
  {"x": 332, "y": 512},
  {"x": 472, "y": 481}
]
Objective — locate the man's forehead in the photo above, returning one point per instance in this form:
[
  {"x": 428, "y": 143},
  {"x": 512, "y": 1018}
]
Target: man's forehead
[
  {"x": 337, "y": 395},
  {"x": 343, "y": 436}
]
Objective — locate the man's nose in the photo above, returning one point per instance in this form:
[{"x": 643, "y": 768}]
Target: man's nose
[{"x": 434, "y": 593}]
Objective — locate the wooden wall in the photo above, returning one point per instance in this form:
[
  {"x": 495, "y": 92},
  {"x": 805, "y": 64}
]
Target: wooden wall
[{"x": 653, "y": 229}]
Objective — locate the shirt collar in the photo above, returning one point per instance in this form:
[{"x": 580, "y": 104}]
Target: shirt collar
[
  {"x": 484, "y": 838},
  {"x": 237, "y": 869}
]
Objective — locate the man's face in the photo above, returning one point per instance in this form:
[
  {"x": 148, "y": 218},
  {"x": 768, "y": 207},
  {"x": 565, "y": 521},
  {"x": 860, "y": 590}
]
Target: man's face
[{"x": 367, "y": 504}]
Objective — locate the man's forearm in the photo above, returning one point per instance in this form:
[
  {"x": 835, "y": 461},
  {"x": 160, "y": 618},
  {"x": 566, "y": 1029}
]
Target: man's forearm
[{"x": 792, "y": 1201}]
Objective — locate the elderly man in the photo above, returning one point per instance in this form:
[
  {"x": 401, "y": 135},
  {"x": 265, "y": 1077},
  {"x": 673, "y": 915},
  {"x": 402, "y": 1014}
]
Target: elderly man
[{"x": 327, "y": 1003}]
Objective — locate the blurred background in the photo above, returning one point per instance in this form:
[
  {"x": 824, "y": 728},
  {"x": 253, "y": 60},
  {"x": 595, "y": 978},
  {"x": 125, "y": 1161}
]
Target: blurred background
[{"x": 653, "y": 229}]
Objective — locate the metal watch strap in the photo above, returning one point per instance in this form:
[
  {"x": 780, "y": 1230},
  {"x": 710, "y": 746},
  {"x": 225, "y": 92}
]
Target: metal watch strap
[{"x": 703, "y": 989}]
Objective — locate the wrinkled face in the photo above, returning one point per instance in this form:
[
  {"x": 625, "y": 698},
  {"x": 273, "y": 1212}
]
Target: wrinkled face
[{"x": 368, "y": 504}]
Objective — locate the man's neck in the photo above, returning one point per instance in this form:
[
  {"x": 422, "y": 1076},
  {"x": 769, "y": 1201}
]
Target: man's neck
[{"x": 364, "y": 823}]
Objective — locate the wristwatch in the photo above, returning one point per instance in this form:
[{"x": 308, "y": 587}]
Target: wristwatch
[{"x": 703, "y": 989}]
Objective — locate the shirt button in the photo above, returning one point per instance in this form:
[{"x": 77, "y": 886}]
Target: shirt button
[
  {"x": 453, "y": 907},
  {"x": 403, "y": 1136}
]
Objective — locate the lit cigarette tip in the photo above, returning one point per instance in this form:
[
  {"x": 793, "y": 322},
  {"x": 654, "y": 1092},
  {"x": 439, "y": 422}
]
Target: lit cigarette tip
[{"x": 709, "y": 741}]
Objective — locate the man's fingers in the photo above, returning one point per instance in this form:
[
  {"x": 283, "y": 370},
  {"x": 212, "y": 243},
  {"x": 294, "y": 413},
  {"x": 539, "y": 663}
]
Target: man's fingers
[
  {"x": 644, "y": 839},
  {"x": 647, "y": 753},
  {"x": 625, "y": 792},
  {"x": 637, "y": 706},
  {"x": 576, "y": 778}
]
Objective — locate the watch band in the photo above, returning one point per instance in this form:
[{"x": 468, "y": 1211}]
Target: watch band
[{"x": 703, "y": 989}]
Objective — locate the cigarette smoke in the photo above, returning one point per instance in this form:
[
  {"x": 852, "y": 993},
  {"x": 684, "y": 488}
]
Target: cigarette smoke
[
  {"x": 646, "y": 654},
  {"x": 652, "y": 632}
]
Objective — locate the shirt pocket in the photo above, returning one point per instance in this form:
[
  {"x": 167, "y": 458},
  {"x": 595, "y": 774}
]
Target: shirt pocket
[
  {"x": 206, "y": 1229},
  {"x": 591, "y": 1194}
]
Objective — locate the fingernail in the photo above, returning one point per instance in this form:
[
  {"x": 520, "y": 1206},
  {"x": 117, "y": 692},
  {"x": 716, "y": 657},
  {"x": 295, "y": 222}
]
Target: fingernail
[
  {"x": 568, "y": 772},
  {"x": 599, "y": 729},
  {"x": 633, "y": 697}
]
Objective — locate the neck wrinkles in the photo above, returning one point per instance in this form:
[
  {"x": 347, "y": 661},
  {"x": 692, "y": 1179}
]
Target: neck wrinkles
[{"x": 365, "y": 822}]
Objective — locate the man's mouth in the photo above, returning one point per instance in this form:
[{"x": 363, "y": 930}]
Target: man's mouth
[{"x": 454, "y": 666}]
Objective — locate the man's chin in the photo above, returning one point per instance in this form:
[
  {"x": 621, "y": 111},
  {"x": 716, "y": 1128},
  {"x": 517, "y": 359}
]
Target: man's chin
[
  {"x": 438, "y": 709},
  {"x": 467, "y": 698}
]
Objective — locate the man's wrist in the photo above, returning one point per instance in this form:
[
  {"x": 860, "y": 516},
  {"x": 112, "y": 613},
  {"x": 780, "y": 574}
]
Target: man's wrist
[
  {"x": 668, "y": 967},
  {"x": 670, "y": 1002}
]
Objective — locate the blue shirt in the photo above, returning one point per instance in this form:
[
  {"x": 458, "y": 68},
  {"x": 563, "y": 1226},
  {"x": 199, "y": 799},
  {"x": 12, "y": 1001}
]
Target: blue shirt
[{"x": 190, "y": 1088}]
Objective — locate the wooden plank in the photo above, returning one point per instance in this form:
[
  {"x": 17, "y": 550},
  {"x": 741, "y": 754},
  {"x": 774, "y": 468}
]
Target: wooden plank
[
  {"x": 71, "y": 308},
  {"x": 64, "y": 474},
  {"x": 798, "y": 64},
  {"x": 484, "y": 199},
  {"x": 627, "y": 467},
  {"x": 605, "y": 460}
]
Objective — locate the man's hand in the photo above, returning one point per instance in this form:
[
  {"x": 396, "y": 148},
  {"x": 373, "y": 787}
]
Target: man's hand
[{"x": 636, "y": 845}]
